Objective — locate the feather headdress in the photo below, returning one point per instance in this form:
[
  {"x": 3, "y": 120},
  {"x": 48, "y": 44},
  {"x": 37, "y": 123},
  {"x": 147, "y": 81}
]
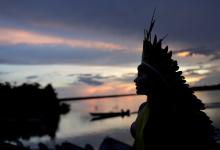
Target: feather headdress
[{"x": 159, "y": 59}]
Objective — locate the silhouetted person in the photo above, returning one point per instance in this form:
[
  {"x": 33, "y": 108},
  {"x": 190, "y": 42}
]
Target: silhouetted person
[{"x": 172, "y": 117}]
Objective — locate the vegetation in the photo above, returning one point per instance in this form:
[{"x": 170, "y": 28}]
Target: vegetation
[{"x": 29, "y": 110}]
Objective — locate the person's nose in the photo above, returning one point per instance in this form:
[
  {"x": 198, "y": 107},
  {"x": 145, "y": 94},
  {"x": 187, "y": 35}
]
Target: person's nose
[{"x": 135, "y": 80}]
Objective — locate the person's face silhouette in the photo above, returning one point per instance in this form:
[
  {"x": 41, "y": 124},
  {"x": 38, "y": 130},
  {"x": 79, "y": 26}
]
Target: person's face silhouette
[
  {"x": 140, "y": 82},
  {"x": 144, "y": 81}
]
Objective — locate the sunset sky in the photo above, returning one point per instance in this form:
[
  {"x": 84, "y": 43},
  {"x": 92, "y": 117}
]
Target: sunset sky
[{"x": 93, "y": 47}]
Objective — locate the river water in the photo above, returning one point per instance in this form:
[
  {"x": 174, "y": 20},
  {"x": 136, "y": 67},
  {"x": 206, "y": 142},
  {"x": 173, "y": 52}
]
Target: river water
[{"x": 76, "y": 127}]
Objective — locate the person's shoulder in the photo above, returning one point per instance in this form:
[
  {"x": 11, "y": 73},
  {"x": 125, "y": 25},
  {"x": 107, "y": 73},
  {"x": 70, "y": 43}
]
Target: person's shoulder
[{"x": 141, "y": 107}]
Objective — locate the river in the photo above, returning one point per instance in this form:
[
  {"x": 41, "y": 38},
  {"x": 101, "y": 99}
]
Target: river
[{"x": 76, "y": 127}]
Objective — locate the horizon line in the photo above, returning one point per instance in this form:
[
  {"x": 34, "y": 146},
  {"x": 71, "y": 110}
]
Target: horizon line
[{"x": 195, "y": 88}]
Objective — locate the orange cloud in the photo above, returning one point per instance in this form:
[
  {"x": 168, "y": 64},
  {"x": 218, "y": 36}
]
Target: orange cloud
[
  {"x": 183, "y": 54},
  {"x": 110, "y": 88},
  {"x": 17, "y": 36}
]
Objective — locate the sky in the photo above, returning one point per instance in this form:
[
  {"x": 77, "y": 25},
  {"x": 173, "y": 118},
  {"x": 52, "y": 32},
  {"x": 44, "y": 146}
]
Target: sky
[{"x": 85, "y": 47}]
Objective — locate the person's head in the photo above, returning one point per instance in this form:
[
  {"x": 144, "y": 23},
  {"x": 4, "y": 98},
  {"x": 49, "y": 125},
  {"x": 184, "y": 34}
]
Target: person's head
[
  {"x": 148, "y": 80},
  {"x": 157, "y": 71}
]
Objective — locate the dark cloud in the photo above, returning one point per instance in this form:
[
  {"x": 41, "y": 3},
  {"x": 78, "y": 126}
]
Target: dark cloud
[
  {"x": 210, "y": 74},
  {"x": 92, "y": 79},
  {"x": 78, "y": 74},
  {"x": 3, "y": 73},
  {"x": 210, "y": 78},
  {"x": 32, "y": 77},
  {"x": 63, "y": 55},
  {"x": 127, "y": 77},
  {"x": 98, "y": 79},
  {"x": 187, "y": 20},
  {"x": 191, "y": 73},
  {"x": 72, "y": 75},
  {"x": 197, "y": 70},
  {"x": 101, "y": 15}
]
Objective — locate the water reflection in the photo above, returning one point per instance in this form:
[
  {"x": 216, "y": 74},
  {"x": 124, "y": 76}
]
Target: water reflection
[
  {"x": 77, "y": 122},
  {"x": 212, "y": 97},
  {"x": 96, "y": 116},
  {"x": 77, "y": 128}
]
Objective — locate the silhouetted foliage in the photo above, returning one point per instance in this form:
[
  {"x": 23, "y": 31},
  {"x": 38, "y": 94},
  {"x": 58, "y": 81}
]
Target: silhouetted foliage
[{"x": 29, "y": 110}]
